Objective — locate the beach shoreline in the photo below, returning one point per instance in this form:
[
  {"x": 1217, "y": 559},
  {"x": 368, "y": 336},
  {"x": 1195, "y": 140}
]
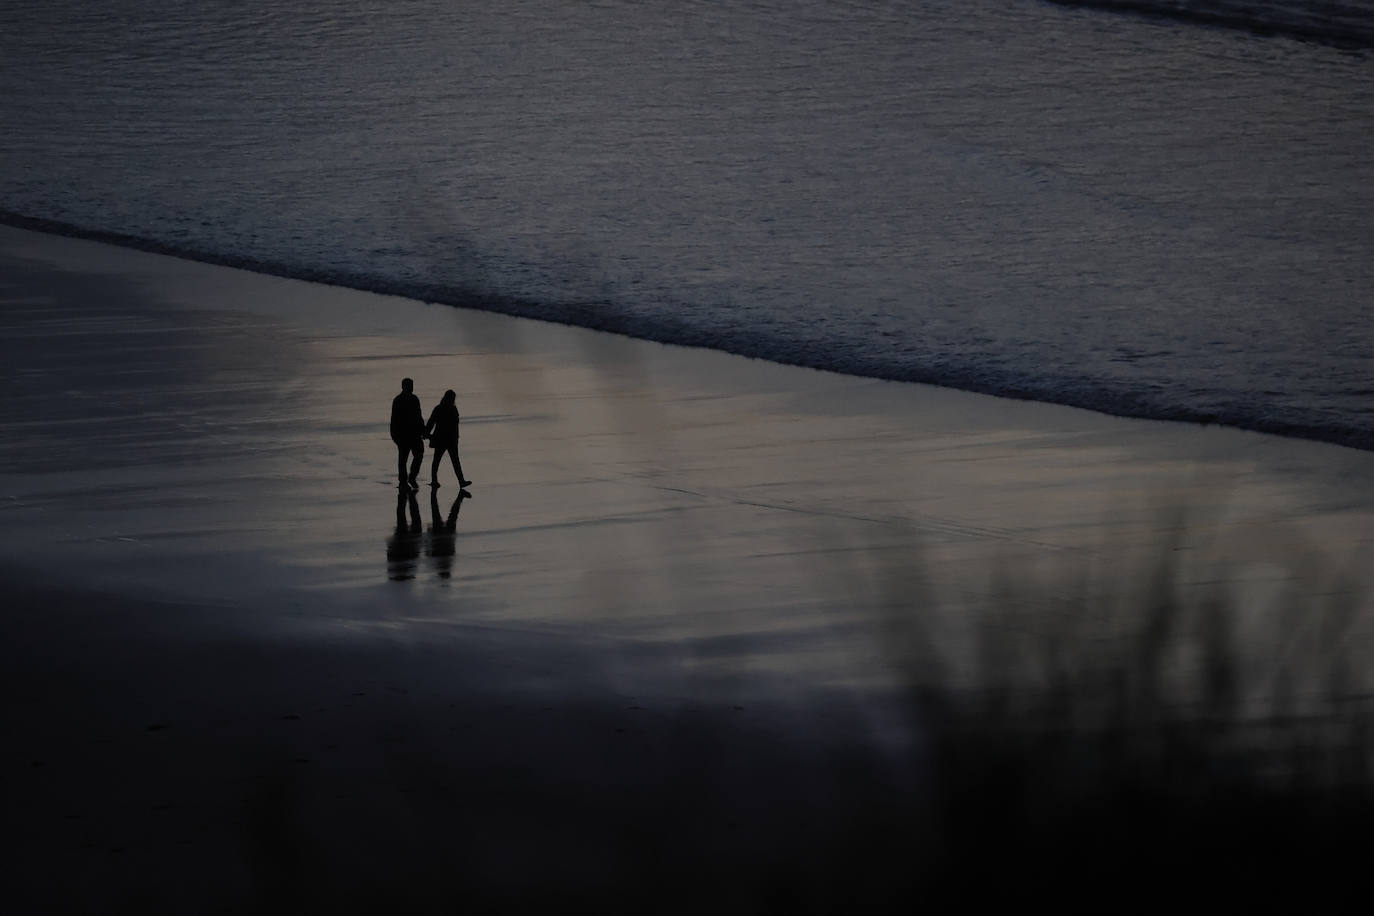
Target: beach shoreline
[
  {"x": 234, "y": 645},
  {"x": 586, "y": 317}
]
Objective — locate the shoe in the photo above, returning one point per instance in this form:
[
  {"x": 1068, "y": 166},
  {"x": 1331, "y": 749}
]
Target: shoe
[
  {"x": 414, "y": 484},
  {"x": 435, "y": 483},
  {"x": 465, "y": 483}
]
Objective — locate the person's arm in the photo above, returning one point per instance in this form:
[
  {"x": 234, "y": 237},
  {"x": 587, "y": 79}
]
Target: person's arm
[{"x": 429, "y": 427}]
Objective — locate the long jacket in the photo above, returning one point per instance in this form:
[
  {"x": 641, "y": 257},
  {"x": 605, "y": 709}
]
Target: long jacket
[
  {"x": 407, "y": 423},
  {"x": 442, "y": 427}
]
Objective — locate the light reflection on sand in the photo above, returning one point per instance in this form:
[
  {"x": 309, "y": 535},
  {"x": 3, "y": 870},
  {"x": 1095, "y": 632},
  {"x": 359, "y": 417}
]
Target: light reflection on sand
[{"x": 672, "y": 495}]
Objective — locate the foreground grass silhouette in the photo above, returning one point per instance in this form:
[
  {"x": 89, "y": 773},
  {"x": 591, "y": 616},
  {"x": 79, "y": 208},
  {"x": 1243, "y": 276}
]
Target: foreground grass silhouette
[{"x": 1146, "y": 739}]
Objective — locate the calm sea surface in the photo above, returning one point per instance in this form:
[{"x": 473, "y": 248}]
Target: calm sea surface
[{"x": 1139, "y": 215}]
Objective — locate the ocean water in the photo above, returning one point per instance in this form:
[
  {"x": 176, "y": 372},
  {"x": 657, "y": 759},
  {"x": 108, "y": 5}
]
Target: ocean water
[{"x": 1144, "y": 215}]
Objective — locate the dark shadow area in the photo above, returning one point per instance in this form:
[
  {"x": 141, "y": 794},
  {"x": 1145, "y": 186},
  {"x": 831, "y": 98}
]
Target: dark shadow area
[
  {"x": 1142, "y": 737},
  {"x": 1118, "y": 755}
]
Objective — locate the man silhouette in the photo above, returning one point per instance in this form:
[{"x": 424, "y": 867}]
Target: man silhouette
[{"x": 407, "y": 431}]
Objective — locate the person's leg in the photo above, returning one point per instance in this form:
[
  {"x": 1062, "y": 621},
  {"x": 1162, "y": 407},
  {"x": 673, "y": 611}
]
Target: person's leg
[
  {"x": 457, "y": 465},
  {"x": 402, "y": 453},
  {"x": 418, "y": 447},
  {"x": 434, "y": 466}
]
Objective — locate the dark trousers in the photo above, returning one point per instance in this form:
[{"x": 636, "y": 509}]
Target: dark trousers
[
  {"x": 451, "y": 449},
  {"x": 404, "y": 450}
]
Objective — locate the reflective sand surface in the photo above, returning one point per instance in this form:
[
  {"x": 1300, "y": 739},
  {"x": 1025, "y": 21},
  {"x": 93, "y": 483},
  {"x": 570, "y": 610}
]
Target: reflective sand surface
[{"x": 214, "y": 581}]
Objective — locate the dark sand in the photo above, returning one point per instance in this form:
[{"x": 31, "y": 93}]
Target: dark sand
[{"x": 643, "y": 669}]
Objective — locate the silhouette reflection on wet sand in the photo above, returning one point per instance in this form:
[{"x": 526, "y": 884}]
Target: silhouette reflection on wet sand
[
  {"x": 409, "y": 539},
  {"x": 403, "y": 547},
  {"x": 442, "y": 533}
]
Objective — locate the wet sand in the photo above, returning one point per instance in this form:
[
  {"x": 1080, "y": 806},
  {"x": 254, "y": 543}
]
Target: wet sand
[{"x": 241, "y": 669}]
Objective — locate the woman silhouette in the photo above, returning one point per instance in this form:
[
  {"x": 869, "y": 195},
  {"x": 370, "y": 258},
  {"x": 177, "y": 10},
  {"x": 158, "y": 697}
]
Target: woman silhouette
[{"x": 442, "y": 430}]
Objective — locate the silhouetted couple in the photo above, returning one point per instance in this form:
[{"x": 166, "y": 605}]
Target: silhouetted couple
[{"x": 409, "y": 431}]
